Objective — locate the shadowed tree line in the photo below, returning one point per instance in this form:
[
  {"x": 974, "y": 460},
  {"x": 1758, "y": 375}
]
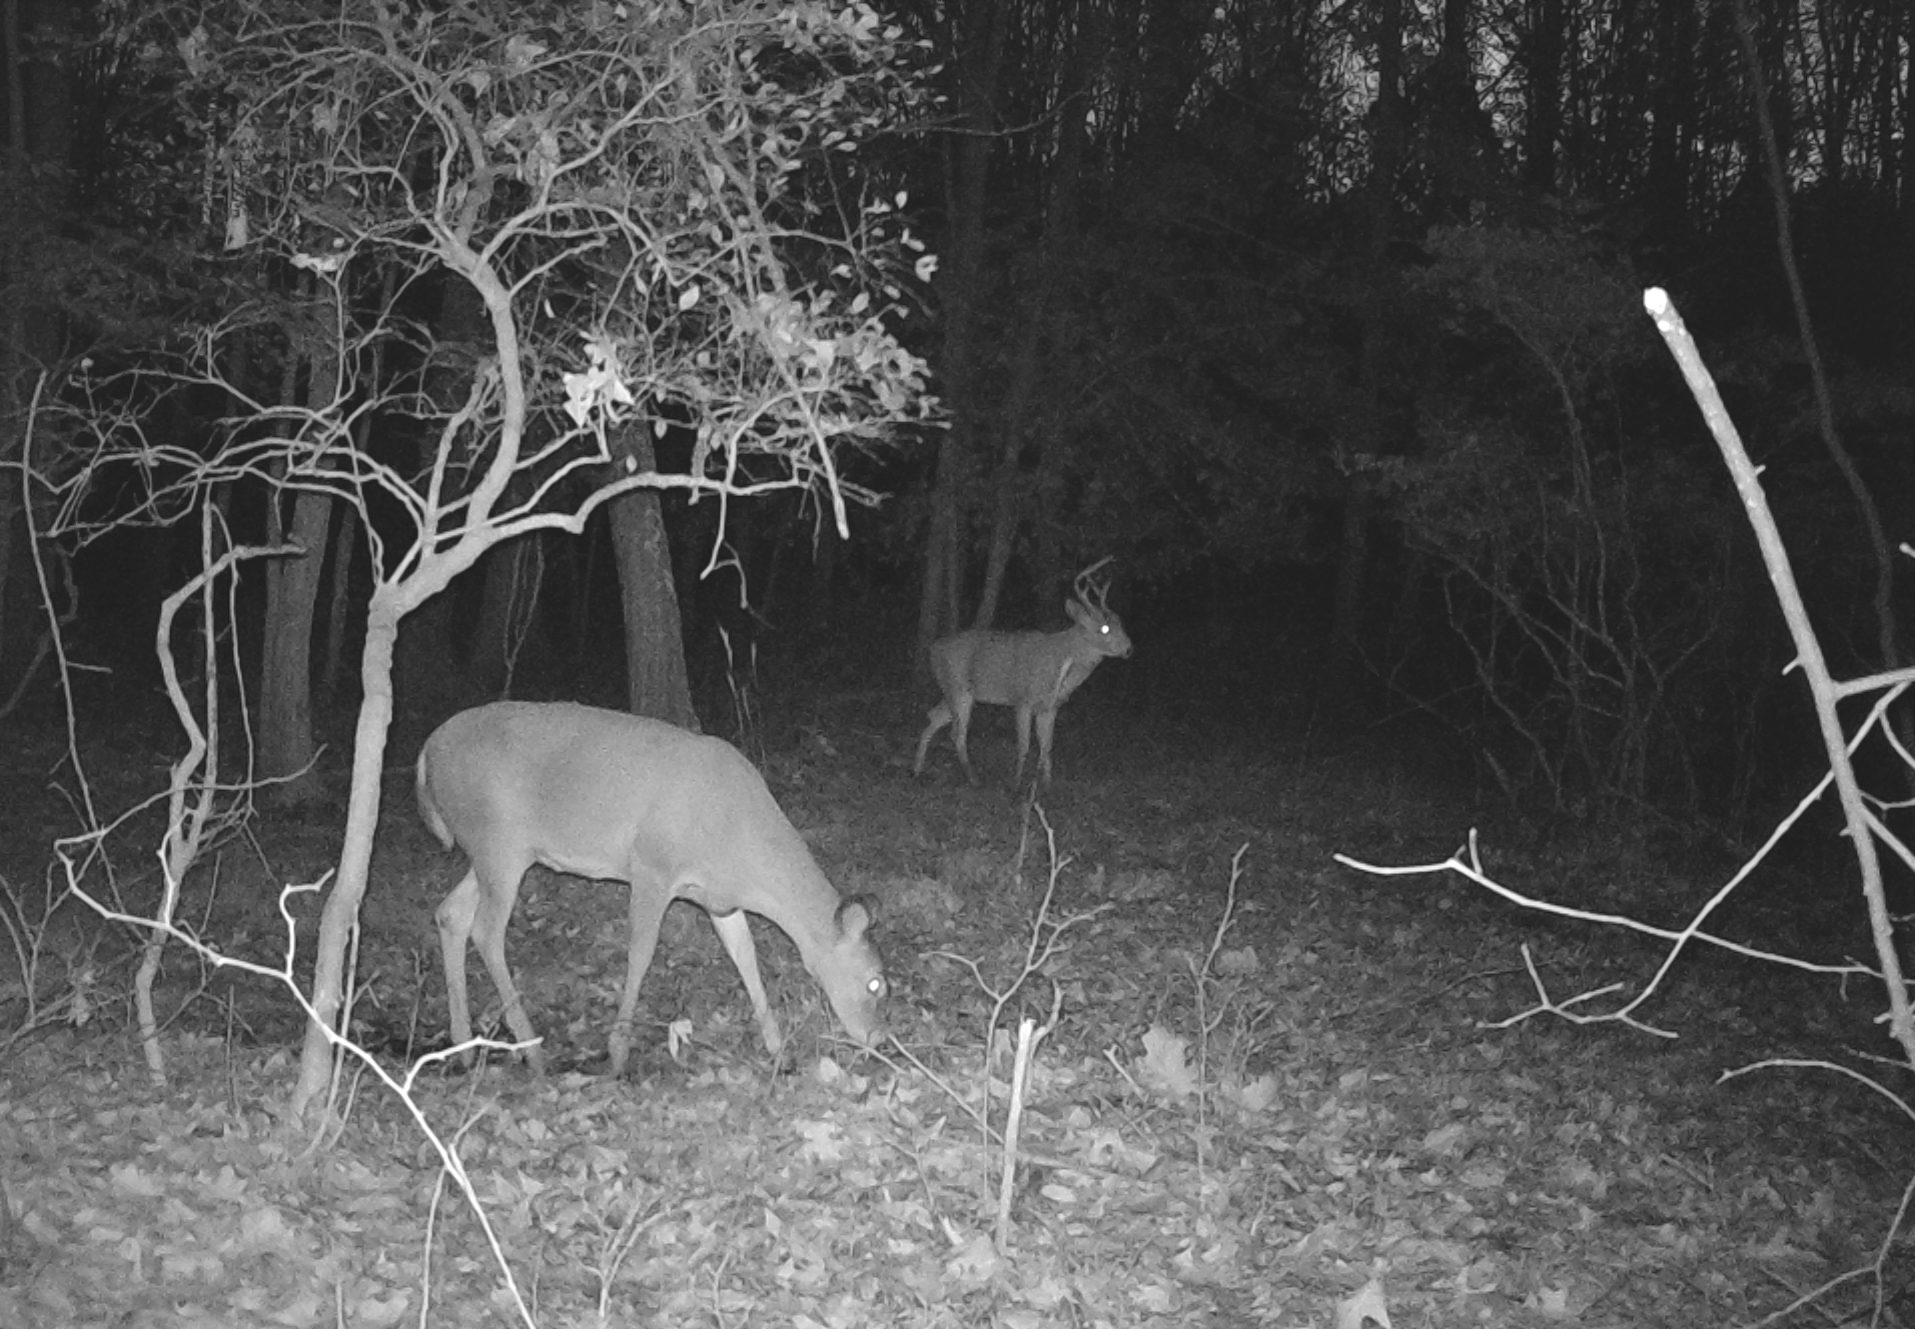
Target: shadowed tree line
[
  {"x": 1323, "y": 319},
  {"x": 1338, "y": 307}
]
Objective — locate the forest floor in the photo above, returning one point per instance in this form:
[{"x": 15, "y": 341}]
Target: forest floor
[{"x": 1277, "y": 1105}]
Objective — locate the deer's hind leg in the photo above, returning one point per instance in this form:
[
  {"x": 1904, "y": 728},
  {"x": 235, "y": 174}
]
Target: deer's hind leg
[
  {"x": 940, "y": 716},
  {"x": 961, "y": 732},
  {"x": 478, "y": 910}
]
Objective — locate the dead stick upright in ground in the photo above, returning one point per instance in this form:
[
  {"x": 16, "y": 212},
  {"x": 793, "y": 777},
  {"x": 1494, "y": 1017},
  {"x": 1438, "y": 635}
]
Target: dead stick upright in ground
[{"x": 1823, "y": 688}]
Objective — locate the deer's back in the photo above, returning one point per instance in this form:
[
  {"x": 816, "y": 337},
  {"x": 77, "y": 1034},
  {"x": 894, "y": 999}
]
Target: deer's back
[{"x": 596, "y": 793}]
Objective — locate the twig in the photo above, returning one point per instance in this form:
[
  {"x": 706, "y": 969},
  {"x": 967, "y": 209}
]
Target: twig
[{"x": 1029, "y": 1035}]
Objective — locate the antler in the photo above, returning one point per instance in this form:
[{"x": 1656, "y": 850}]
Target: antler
[{"x": 1089, "y": 583}]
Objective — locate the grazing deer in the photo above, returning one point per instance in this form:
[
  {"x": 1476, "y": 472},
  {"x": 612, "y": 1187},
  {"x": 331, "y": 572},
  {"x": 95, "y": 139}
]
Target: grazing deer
[
  {"x": 1031, "y": 672},
  {"x": 606, "y": 795}
]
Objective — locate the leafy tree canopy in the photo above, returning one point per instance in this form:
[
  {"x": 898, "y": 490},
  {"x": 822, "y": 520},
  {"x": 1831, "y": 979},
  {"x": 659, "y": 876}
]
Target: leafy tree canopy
[{"x": 656, "y": 207}]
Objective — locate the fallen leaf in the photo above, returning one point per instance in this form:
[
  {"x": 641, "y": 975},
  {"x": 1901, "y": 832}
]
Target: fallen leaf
[{"x": 1366, "y": 1304}]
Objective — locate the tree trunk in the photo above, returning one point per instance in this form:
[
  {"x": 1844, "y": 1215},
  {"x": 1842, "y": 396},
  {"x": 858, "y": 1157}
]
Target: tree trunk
[
  {"x": 341, "y": 912},
  {"x": 979, "y": 30},
  {"x": 1542, "y": 49},
  {"x": 1049, "y": 576},
  {"x": 426, "y": 661},
  {"x": 1672, "y": 116},
  {"x": 345, "y": 533},
  {"x": 1054, "y": 249},
  {"x": 656, "y": 683},
  {"x": 13, "y": 333},
  {"x": 943, "y": 547},
  {"x": 507, "y": 601},
  {"x": 1905, "y": 253},
  {"x": 1353, "y": 554},
  {"x": 286, "y": 742},
  {"x": 580, "y": 568},
  {"x": 428, "y": 666},
  {"x": 35, "y": 179},
  {"x": 1008, "y": 482}
]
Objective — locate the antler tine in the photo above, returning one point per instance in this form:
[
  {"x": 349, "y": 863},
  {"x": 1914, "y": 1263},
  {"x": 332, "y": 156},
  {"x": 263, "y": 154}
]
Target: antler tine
[{"x": 1089, "y": 584}]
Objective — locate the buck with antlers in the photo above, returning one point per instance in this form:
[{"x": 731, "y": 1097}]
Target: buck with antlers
[{"x": 1031, "y": 672}]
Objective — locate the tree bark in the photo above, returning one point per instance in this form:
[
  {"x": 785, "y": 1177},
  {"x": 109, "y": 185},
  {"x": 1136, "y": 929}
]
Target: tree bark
[
  {"x": 1543, "y": 45},
  {"x": 656, "y": 683},
  {"x": 943, "y": 546},
  {"x": 345, "y": 533},
  {"x": 1672, "y": 117},
  {"x": 286, "y": 743},
  {"x": 341, "y": 912},
  {"x": 39, "y": 134},
  {"x": 976, "y": 37},
  {"x": 1057, "y": 243},
  {"x": 1008, "y": 481},
  {"x": 507, "y": 601},
  {"x": 1388, "y": 136},
  {"x": 1905, "y": 274},
  {"x": 426, "y": 665},
  {"x": 14, "y": 357}
]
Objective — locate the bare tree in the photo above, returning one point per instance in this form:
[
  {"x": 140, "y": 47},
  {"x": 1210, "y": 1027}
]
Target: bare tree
[{"x": 655, "y": 211}]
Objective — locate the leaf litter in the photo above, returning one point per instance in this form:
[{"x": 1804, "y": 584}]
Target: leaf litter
[{"x": 1327, "y": 1138}]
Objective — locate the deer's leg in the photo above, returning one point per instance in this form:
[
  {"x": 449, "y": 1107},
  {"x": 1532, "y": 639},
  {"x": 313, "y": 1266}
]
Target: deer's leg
[
  {"x": 480, "y": 907},
  {"x": 961, "y": 732},
  {"x": 1046, "y": 722},
  {"x": 454, "y": 917},
  {"x": 647, "y": 911},
  {"x": 734, "y": 930},
  {"x": 940, "y": 716},
  {"x": 1023, "y": 721}
]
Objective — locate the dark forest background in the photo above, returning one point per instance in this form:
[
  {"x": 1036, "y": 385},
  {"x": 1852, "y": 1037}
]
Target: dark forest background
[{"x": 1323, "y": 319}]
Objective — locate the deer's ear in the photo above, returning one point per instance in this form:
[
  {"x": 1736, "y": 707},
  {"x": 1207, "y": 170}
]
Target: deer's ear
[
  {"x": 854, "y": 916},
  {"x": 1079, "y": 614}
]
